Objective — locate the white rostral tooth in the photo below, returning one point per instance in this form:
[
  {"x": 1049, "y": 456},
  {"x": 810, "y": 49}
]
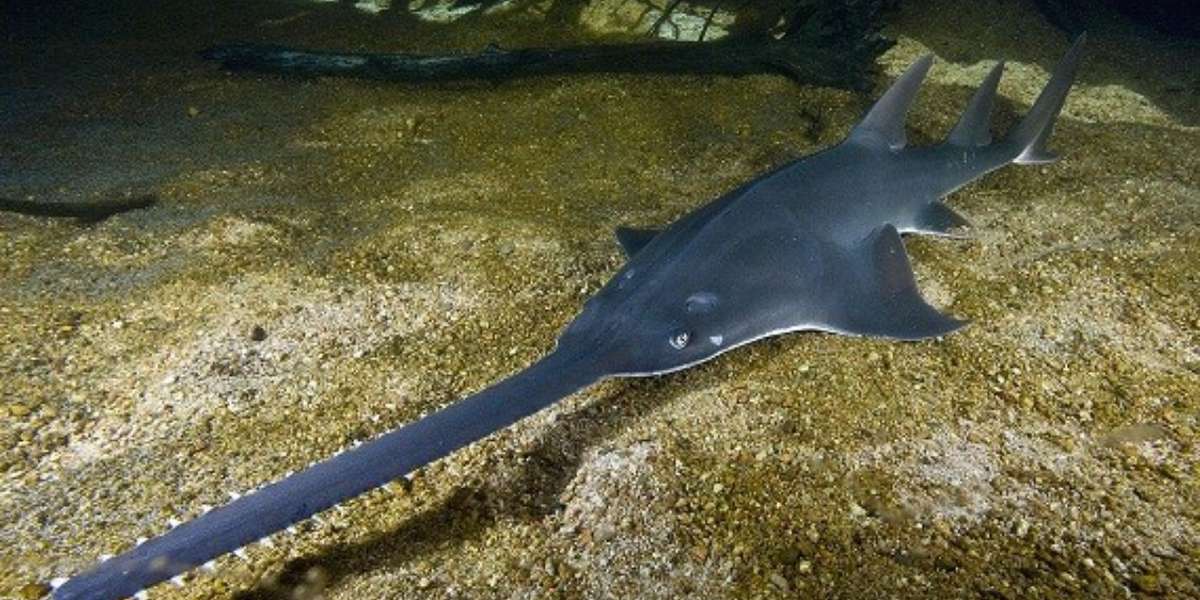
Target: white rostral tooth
[
  {"x": 142, "y": 595},
  {"x": 105, "y": 557},
  {"x": 240, "y": 553},
  {"x": 210, "y": 566},
  {"x": 291, "y": 529},
  {"x": 140, "y": 541},
  {"x": 267, "y": 542},
  {"x": 205, "y": 508},
  {"x": 234, "y": 495},
  {"x": 173, "y": 522},
  {"x": 177, "y": 580},
  {"x": 57, "y": 582}
]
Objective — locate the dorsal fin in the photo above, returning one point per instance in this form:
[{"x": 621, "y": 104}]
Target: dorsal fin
[
  {"x": 973, "y": 127},
  {"x": 884, "y": 123},
  {"x": 632, "y": 240}
]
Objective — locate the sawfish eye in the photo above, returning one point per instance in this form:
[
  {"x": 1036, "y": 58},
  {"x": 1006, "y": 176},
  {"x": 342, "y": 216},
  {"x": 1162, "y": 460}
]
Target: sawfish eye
[{"x": 679, "y": 339}]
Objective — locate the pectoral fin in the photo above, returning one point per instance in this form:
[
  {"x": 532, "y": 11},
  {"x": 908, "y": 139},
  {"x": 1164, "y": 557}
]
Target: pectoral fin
[{"x": 876, "y": 294}]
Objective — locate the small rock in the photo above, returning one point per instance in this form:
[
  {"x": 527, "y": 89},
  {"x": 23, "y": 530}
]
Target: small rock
[
  {"x": 779, "y": 581},
  {"x": 18, "y": 410},
  {"x": 1148, "y": 583},
  {"x": 804, "y": 567},
  {"x": 1022, "y": 528},
  {"x": 193, "y": 112},
  {"x": 258, "y": 334},
  {"x": 316, "y": 577},
  {"x": 604, "y": 533},
  {"x": 33, "y": 591},
  {"x": 814, "y": 536},
  {"x": 1136, "y": 433}
]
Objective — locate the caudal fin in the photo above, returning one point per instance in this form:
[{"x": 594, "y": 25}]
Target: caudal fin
[{"x": 1028, "y": 138}]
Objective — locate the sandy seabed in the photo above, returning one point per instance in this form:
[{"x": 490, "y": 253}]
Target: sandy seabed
[{"x": 332, "y": 258}]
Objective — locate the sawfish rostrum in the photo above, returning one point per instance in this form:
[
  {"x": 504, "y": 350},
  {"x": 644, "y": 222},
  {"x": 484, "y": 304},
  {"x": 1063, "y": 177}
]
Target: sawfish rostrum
[{"x": 812, "y": 245}]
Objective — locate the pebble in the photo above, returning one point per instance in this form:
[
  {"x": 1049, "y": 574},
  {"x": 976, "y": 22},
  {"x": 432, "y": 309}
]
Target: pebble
[
  {"x": 33, "y": 591},
  {"x": 603, "y": 533},
  {"x": 1022, "y": 528},
  {"x": 1147, "y": 583},
  {"x": 804, "y": 567},
  {"x": 258, "y": 334},
  {"x": 18, "y": 410},
  {"x": 779, "y": 581}
]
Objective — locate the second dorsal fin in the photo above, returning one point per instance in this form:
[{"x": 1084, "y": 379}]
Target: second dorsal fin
[
  {"x": 884, "y": 123},
  {"x": 972, "y": 126}
]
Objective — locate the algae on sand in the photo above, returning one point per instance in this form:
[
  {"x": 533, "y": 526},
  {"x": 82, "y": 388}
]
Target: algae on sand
[{"x": 332, "y": 258}]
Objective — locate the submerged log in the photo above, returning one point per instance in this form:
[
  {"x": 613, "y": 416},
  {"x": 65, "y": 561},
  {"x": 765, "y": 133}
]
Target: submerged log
[
  {"x": 847, "y": 66},
  {"x": 85, "y": 211}
]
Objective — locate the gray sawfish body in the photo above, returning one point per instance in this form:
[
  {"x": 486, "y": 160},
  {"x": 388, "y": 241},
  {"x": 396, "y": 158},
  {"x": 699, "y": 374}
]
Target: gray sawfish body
[{"x": 812, "y": 245}]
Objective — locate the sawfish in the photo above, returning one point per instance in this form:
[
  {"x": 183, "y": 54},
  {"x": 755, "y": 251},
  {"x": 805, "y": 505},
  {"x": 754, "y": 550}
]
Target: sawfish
[{"x": 814, "y": 244}]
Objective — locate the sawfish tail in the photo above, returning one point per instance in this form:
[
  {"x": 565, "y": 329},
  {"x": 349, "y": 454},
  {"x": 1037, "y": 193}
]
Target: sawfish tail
[
  {"x": 334, "y": 480},
  {"x": 1025, "y": 142},
  {"x": 1028, "y": 138}
]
